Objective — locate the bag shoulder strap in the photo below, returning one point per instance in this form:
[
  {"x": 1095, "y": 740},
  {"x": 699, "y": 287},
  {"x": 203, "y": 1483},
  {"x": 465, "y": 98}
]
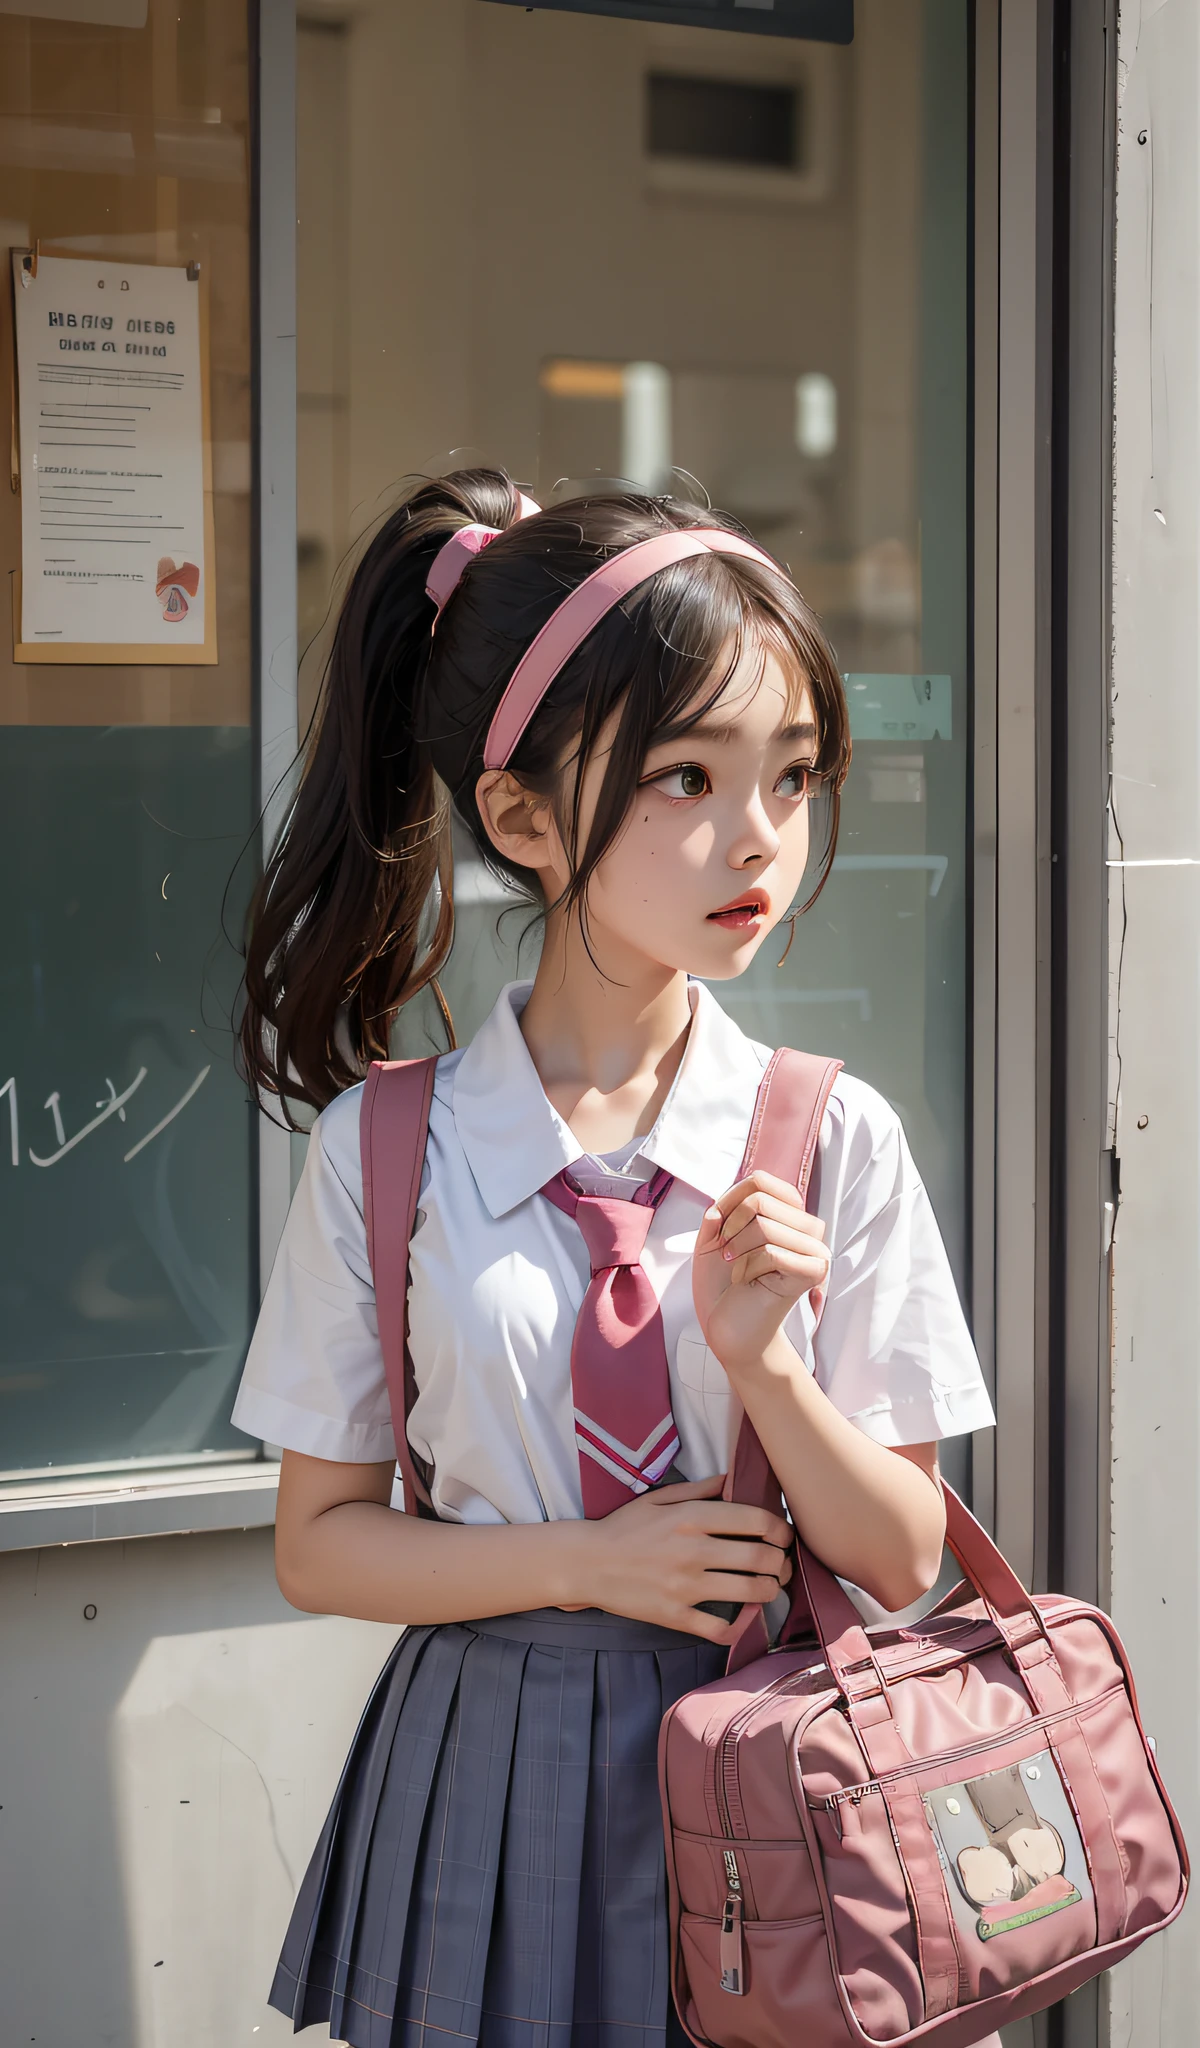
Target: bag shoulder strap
[
  {"x": 784, "y": 1133},
  {"x": 788, "y": 1114},
  {"x": 393, "y": 1132}
]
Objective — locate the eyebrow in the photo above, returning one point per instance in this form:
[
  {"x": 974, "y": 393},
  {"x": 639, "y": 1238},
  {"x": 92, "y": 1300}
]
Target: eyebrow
[{"x": 722, "y": 734}]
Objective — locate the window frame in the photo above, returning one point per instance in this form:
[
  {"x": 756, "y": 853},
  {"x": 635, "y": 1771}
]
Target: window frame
[{"x": 211, "y": 1492}]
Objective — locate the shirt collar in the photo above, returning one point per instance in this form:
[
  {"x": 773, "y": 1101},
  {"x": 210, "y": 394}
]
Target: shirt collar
[
  {"x": 515, "y": 1140},
  {"x": 704, "y": 1123},
  {"x": 513, "y": 1137}
]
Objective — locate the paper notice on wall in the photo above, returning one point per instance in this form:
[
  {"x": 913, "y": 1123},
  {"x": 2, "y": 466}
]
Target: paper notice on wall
[{"x": 116, "y": 543}]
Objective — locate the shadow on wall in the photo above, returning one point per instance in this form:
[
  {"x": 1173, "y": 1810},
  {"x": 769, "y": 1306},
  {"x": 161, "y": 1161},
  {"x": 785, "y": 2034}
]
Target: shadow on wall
[{"x": 161, "y": 1791}]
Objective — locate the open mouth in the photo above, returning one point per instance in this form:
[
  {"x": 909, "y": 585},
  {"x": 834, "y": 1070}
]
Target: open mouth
[{"x": 748, "y": 911}]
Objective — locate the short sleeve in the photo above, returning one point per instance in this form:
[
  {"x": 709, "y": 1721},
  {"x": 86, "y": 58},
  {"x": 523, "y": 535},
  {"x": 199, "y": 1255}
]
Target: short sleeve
[
  {"x": 892, "y": 1349},
  {"x": 314, "y": 1378}
]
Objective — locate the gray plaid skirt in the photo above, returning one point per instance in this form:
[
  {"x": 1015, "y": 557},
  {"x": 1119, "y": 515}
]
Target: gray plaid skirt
[{"x": 492, "y": 1866}]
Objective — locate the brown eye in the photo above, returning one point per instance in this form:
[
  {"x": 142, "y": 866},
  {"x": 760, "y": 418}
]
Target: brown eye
[
  {"x": 688, "y": 780},
  {"x": 799, "y": 781}
]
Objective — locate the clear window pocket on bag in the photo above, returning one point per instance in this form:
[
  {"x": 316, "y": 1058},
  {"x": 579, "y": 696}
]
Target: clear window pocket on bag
[{"x": 1009, "y": 1846}]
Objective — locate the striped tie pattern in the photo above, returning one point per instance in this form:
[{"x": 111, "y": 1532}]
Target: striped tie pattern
[{"x": 624, "y": 1428}]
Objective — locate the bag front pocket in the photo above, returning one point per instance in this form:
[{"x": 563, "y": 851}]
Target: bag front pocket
[
  {"x": 786, "y": 1994},
  {"x": 775, "y": 1878}
]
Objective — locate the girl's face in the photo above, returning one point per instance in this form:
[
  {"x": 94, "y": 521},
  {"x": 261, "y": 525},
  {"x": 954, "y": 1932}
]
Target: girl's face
[{"x": 715, "y": 846}]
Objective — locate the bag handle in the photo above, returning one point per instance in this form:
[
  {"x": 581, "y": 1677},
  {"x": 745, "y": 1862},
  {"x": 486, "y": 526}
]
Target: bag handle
[
  {"x": 851, "y": 1659},
  {"x": 393, "y": 1131},
  {"x": 837, "y": 1622}
]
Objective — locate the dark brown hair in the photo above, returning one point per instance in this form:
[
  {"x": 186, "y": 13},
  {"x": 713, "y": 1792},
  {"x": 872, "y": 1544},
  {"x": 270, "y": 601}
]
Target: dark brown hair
[{"x": 345, "y": 926}]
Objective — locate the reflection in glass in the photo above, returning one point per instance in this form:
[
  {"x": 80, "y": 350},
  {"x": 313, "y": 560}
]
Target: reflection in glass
[{"x": 788, "y": 338}]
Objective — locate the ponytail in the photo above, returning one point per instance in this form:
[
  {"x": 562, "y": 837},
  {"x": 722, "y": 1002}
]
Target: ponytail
[
  {"x": 343, "y": 930},
  {"x": 337, "y": 935}
]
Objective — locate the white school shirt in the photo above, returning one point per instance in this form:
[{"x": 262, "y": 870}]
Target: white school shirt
[{"x": 498, "y": 1274}]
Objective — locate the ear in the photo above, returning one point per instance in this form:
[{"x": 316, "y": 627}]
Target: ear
[{"x": 519, "y": 824}]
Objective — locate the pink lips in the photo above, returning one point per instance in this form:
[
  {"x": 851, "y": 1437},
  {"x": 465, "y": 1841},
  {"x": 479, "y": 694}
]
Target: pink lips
[{"x": 743, "y": 913}]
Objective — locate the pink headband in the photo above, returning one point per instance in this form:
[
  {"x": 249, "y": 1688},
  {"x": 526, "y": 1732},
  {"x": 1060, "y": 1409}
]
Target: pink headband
[
  {"x": 461, "y": 548},
  {"x": 567, "y": 628}
]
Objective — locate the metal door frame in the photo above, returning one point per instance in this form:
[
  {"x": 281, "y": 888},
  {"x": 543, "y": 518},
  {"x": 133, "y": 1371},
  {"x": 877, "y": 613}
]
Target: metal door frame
[
  {"x": 1010, "y": 1172},
  {"x": 1044, "y": 170}
]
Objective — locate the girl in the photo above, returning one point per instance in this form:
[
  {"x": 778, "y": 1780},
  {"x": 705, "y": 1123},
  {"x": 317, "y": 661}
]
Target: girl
[{"x": 634, "y": 713}]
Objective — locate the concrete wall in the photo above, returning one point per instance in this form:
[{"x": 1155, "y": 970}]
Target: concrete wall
[
  {"x": 165, "y": 1768},
  {"x": 1155, "y": 946}
]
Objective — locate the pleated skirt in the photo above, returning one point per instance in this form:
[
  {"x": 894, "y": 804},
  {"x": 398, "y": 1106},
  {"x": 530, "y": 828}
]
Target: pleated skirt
[{"x": 492, "y": 1866}]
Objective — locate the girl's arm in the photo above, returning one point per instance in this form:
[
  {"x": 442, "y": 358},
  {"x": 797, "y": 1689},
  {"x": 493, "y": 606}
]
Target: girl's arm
[
  {"x": 341, "y": 1549},
  {"x": 874, "y": 1515}
]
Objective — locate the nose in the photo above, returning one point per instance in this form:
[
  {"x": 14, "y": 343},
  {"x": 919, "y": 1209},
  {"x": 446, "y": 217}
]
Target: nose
[{"x": 755, "y": 842}]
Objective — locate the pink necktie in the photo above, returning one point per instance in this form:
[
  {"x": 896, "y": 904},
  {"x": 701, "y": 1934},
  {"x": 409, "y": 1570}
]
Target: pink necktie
[{"x": 624, "y": 1427}]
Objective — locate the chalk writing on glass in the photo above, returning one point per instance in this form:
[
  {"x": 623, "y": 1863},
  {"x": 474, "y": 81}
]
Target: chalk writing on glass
[
  {"x": 112, "y": 1096},
  {"x": 108, "y": 1106},
  {"x": 51, "y": 1103},
  {"x": 65, "y": 1144},
  {"x": 10, "y": 1089},
  {"x": 170, "y": 1116}
]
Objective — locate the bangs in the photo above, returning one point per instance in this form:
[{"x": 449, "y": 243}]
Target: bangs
[
  {"x": 665, "y": 658},
  {"x": 707, "y": 633}
]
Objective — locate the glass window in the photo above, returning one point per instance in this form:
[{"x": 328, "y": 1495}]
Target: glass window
[
  {"x": 589, "y": 247},
  {"x": 126, "y": 795},
  {"x": 721, "y": 120}
]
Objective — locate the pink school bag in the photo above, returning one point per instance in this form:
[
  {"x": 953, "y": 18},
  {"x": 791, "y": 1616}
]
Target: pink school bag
[
  {"x": 920, "y": 1834},
  {"x": 916, "y": 1835}
]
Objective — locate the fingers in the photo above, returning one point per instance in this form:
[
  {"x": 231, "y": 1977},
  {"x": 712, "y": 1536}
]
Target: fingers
[
  {"x": 708, "y": 1238},
  {"x": 727, "y": 1518},
  {"x": 796, "y": 1273},
  {"x": 761, "y": 1231},
  {"x": 771, "y": 1219},
  {"x": 733, "y": 1519},
  {"x": 686, "y": 1489},
  {"x": 760, "y": 1188},
  {"x": 747, "y": 1588},
  {"x": 761, "y": 1560}
]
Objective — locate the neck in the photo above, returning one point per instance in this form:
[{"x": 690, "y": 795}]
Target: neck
[{"x": 606, "y": 1036}]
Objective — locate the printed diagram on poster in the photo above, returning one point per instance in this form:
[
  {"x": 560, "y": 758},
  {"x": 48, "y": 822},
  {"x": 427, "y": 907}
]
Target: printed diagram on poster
[{"x": 114, "y": 462}]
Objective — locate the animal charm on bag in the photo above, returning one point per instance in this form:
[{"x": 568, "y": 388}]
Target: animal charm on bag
[{"x": 920, "y": 1835}]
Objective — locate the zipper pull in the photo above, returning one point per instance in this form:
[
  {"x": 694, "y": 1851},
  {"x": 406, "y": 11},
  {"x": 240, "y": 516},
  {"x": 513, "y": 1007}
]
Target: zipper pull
[
  {"x": 730, "y": 1953},
  {"x": 731, "y": 1946}
]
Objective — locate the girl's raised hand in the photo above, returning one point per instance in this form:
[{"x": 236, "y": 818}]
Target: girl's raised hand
[
  {"x": 757, "y": 1252},
  {"x": 658, "y": 1558}
]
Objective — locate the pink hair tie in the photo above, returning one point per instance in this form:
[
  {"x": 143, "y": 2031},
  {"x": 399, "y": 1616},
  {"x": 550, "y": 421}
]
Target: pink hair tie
[
  {"x": 462, "y": 547},
  {"x": 567, "y": 628}
]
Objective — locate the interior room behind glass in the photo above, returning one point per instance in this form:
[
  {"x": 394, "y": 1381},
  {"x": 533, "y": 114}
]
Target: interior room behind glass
[{"x": 724, "y": 264}]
